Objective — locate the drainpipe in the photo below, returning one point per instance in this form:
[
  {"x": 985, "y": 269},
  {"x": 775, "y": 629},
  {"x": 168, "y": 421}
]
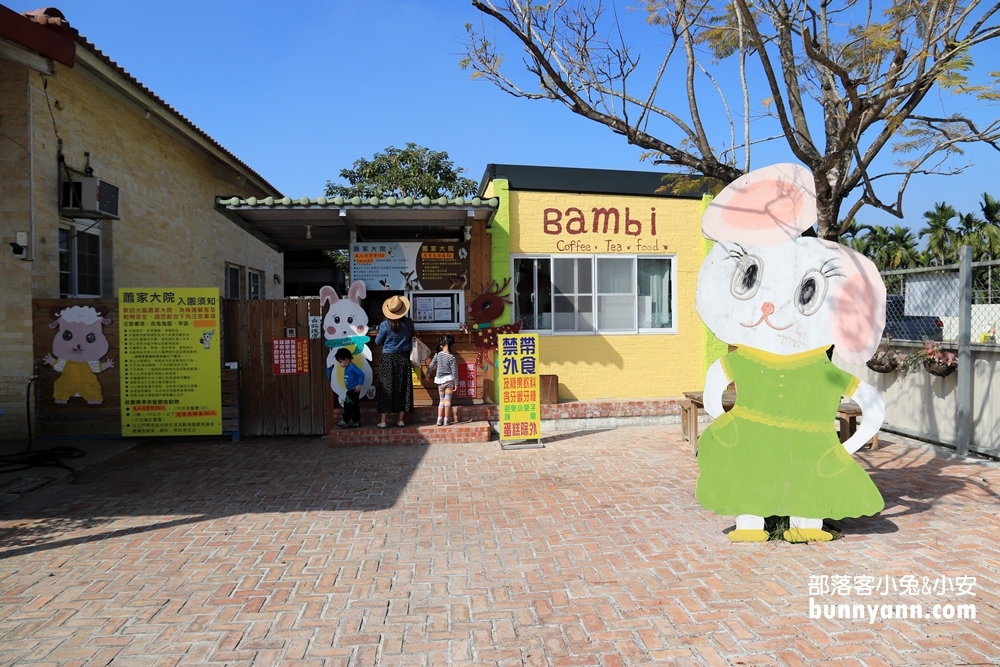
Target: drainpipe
[
  {"x": 31, "y": 187},
  {"x": 965, "y": 369}
]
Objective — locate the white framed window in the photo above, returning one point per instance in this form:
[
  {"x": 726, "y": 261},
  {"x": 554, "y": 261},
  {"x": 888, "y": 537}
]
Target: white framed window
[
  {"x": 587, "y": 294},
  {"x": 255, "y": 284},
  {"x": 573, "y": 294},
  {"x": 233, "y": 282},
  {"x": 80, "y": 258},
  {"x": 532, "y": 293},
  {"x": 616, "y": 291},
  {"x": 655, "y": 282}
]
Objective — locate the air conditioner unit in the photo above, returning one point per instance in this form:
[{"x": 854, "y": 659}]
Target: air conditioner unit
[{"x": 88, "y": 197}]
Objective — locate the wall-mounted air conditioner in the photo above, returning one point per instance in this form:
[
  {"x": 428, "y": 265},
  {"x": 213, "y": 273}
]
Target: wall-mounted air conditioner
[{"x": 88, "y": 197}]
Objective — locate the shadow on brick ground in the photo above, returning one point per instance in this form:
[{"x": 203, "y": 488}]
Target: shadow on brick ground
[
  {"x": 173, "y": 483},
  {"x": 914, "y": 489}
]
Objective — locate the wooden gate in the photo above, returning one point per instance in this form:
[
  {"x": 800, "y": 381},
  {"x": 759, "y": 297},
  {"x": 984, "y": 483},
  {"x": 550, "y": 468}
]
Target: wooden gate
[{"x": 273, "y": 404}]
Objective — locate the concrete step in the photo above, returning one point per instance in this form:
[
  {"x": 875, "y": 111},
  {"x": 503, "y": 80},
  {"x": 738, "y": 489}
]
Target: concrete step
[{"x": 412, "y": 434}]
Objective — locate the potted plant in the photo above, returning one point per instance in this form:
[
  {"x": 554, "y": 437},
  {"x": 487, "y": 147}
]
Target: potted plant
[
  {"x": 939, "y": 362},
  {"x": 886, "y": 360}
]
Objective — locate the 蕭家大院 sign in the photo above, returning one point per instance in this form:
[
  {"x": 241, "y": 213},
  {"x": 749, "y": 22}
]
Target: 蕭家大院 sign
[
  {"x": 171, "y": 370},
  {"x": 411, "y": 265}
]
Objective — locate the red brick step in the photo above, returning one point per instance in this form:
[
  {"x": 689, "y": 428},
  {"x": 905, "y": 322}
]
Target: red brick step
[
  {"x": 462, "y": 432},
  {"x": 420, "y": 428}
]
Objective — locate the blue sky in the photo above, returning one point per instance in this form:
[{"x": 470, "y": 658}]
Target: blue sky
[{"x": 299, "y": 90}]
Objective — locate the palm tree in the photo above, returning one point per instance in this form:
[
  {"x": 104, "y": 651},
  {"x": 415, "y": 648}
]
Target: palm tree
[
  {"x": 856, "y": 237},
  {"x": 901, "y": 248},
  {"x": 854, "y": 231},
  {"x": 991, "y": 226},
  {"x": 969, "y": 232},
  {"x": 940, "y": 234},
  {"x": 991, "y": 209},
  {"x": 991, "y": 215}
]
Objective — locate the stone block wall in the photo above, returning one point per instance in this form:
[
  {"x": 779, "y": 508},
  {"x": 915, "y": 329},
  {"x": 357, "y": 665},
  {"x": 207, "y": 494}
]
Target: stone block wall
[{"x": 168, "y": 234}]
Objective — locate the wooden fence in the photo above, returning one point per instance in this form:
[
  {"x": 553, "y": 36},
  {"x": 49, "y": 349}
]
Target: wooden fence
[
  {"x": 268, "y": 404},
  {"x": 276, "y": 404}
]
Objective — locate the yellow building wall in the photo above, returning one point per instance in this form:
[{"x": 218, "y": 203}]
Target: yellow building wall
[{"x": 619, "y": 366}]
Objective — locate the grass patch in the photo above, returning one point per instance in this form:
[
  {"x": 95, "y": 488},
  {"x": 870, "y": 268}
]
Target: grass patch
[{"x": 775, "y": 526}]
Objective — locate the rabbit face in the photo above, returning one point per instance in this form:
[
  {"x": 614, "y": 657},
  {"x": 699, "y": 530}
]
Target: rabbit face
[
  {"x": 345, "y": 317},
  {"x": 764, "y": 286},
  {"x": 773, "y": 298}
]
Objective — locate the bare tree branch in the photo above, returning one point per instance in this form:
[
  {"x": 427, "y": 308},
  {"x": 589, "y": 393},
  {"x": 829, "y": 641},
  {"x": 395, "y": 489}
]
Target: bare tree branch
[{"x": 865, "y": 69}]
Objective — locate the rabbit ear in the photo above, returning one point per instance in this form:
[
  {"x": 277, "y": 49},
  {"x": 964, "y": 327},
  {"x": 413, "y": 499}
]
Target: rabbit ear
[
  {"x": 328, "y": 294},
  {"x": 858, "y": 306},
  {"x": 765, "y": 207},
  {"x": 356, "y": 291}
]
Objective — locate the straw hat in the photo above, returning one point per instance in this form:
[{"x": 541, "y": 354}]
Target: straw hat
[{"x": 396, "y": 307}]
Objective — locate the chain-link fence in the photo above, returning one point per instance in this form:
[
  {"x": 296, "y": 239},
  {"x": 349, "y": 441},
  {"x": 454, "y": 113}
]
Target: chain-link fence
[
  {"x": 925, "y": 304},
  {"x": 985, "y": 301}
]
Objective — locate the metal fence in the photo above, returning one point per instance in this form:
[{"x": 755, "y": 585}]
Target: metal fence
[
  {"x": 964, "y": 299},
  {"x": 925, "y": 304}
]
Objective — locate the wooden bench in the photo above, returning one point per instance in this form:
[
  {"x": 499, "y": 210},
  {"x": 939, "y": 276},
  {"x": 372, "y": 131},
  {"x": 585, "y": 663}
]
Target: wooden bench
[{"x": 847, "y": 415}]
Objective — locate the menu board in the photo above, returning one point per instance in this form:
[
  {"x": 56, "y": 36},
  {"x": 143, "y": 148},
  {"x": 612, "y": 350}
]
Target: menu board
[
  {"x": 520, "y": 399},
  {"x": 290, "y": 356},
  {"x": 443, "y": 265},
  {"x": 444, "y": 308},
  {"x": 411, "y": 265},
  {"x": 171, "y": 366}
]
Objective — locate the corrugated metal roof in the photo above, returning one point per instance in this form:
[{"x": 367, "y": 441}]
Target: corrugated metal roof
[{"x": 328, "y": 222}]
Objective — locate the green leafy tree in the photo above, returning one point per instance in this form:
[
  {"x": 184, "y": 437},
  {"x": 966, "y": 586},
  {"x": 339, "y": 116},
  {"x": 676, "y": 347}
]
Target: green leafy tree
[
  {"x": 901, "y": 249},
  {"x": 991, "y": 214},
  {"x": 842, "y": 80},
  {"x": 890, "y": 248},
  {"x": 855, "y": 236},
  {"x": 940, "y": 234},
  {"x": 412, "y": 171},
  {"x": 991, "y": 209},
  {"x": 989, "y": 229}
]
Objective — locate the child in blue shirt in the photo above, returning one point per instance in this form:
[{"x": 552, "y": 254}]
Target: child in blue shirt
[{"x": 354, "y": 377}]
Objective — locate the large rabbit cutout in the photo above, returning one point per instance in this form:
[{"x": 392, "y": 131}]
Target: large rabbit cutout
[
  {"x": 346, "y": 325},
  {"x": 783, "y": 300}
]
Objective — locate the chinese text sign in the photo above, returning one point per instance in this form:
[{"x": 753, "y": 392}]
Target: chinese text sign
[
  {"x": 171, "y": 367},
  {"x": 520, "y": 407},
  {"x": 290, "y": 356}
]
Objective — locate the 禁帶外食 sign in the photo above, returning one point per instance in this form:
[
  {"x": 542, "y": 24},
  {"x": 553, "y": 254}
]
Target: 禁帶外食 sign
[{"x": 520, "y": 399}]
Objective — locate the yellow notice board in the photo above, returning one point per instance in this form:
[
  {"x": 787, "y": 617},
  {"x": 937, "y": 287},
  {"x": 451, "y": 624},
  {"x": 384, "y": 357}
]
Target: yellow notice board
[
  {"x": 171, "y": 367},
  {"x": 520, "y": 407}
]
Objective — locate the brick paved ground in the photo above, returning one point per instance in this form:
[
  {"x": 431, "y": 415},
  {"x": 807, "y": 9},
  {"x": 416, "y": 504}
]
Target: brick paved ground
[{"x": 591, "y": 551}]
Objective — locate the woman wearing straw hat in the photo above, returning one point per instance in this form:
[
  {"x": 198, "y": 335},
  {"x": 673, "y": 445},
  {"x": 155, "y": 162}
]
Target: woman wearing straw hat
[{"x": 395, "y": 381}]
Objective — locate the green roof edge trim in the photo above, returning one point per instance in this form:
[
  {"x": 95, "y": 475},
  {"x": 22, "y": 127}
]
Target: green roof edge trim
[{"x": 373, "y": 202}]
